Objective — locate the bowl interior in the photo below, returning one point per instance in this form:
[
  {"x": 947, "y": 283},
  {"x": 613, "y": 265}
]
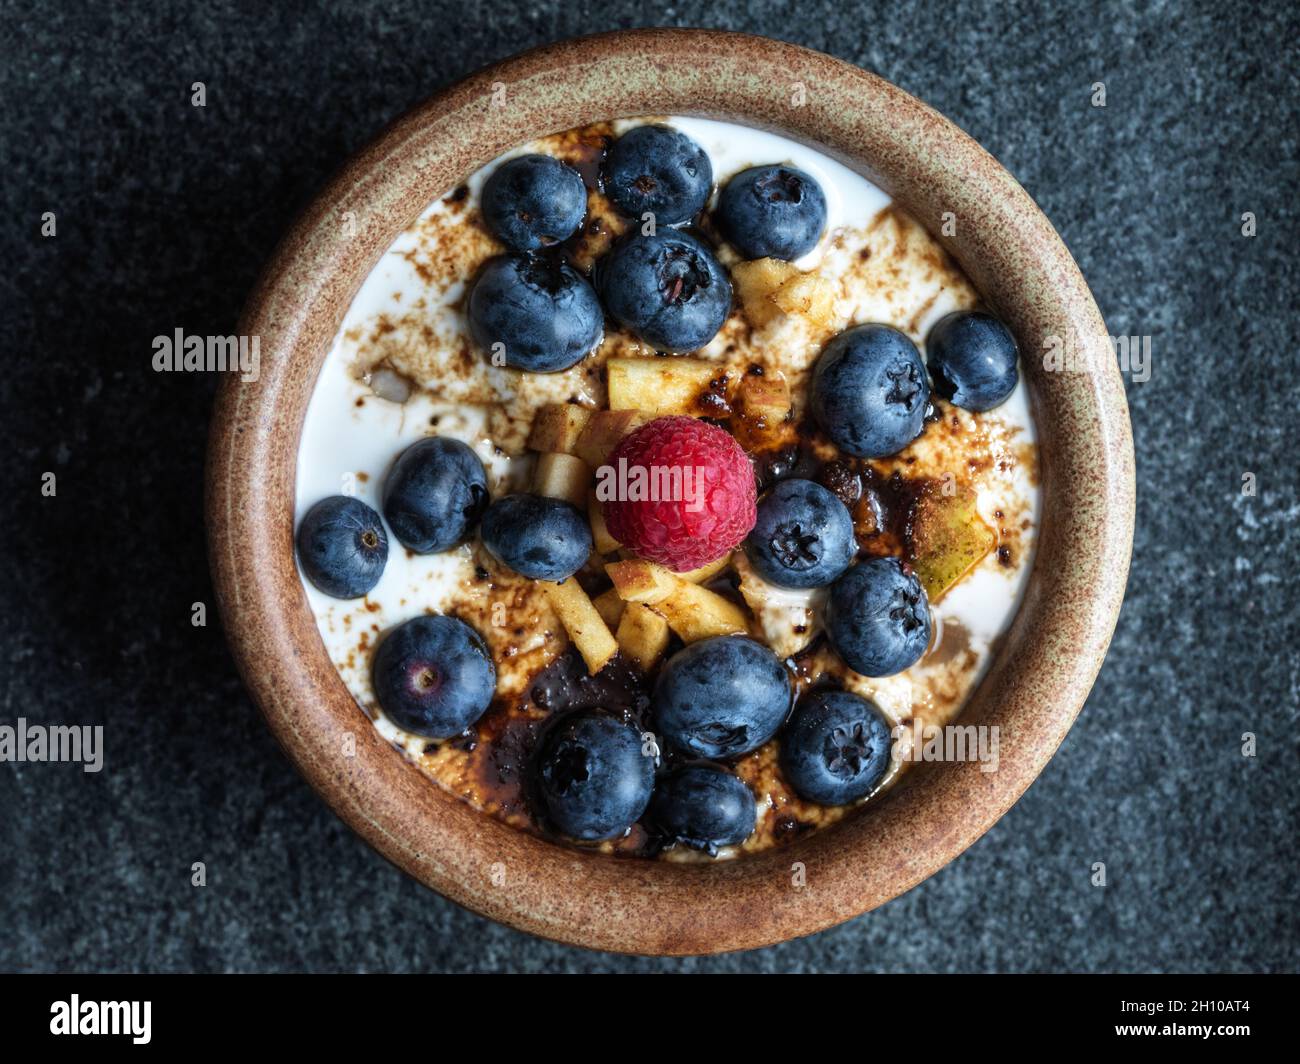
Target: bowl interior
[{"x": 1040, "y": 675}]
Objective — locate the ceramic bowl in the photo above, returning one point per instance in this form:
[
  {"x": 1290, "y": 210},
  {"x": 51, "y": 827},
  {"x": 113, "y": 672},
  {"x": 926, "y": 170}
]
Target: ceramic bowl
[{"x": 1040, "y": 675}]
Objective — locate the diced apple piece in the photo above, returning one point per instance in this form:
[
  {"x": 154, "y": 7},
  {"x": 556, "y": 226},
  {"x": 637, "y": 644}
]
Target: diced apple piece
[
  {"x": 582, "y": 621},
  {"x": 603, "y": 431},
  {"x": 769, "y": 287},
  {"x": 948, "y": 539},
  {"x": 809, "y": 296},
  {"x": 753, "y": 588},
  {"x": 696, "y": 576},
  {"x": 563, "y": 476},
  {"x": 786, "y": 619},
  {"x": 642, "y": 635},
  {"x": 610, "y": 607},
  {"x": 557, "y": 426},
  {"x": 695, "y": 613},
  {"x": 669, "y": 385},
  {"x": 766, "y": 397},
  {"x": 692, "y": 611},
  {"x": 600, "y": 537},
  {"x": 638, "y": 580},
  {"x": 756, "y": 282},
  {"x": 704, "y": 572}
]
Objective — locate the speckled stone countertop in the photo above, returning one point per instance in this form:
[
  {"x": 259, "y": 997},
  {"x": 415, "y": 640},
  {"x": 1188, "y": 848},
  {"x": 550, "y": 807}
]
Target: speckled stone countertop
[{"x": 164, "y": 214}]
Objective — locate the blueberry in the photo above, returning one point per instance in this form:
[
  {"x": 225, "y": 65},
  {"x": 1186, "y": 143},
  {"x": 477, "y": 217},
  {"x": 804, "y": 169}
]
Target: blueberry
[
  {"x": 772, "y": 212},
  {"x": 878, "y": 618},
  {"x": 721, "y": 697},
  {"x": 803, "y": 536},
  {"x": 342, "y": 547},
  {"x": 870, "y": 392},
  {"x": 836, "y": 748},
  {"x": 541, "y": 311},
  {"x": 532, "y": 201},
  {"x": 435, "y": 494},
  {"x": 667, "y": 288},
  {"x": 972, "y": 358},
  {"x": 433, "y": 676},
  {"x": 704, "y": 807},
  {"x": 658, "y": 170},
  {"x": 591, "y": 776},
  {"x": 538, "y": 537}
]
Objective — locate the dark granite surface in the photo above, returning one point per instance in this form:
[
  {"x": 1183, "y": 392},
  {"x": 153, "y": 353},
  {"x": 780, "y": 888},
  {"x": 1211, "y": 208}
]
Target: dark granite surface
[{"x": 165, "y": 213}]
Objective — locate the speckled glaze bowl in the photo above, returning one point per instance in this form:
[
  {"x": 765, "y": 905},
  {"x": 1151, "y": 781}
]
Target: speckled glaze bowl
[{"x": 1038, "y": 679}]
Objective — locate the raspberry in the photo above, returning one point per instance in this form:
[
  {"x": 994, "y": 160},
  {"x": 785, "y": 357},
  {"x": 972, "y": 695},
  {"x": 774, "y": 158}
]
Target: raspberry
[{"x": 679, "y": 492}]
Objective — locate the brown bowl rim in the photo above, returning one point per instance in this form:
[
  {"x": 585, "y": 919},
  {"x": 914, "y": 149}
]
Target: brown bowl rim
[{"x": 1041, "y": 674}]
